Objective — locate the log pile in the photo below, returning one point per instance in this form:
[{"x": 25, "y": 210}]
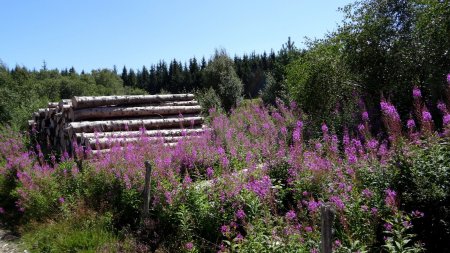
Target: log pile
[{"x": 99, "y": 122}]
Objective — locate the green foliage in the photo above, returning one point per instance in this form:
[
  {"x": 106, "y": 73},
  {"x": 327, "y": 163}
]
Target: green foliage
[
  {"x": 321, "y": 83},
  {"x": 221, "y": 75},
  {"x": 87, "y": 232},
  {"x": 272, "y": 90},
  {"x": 390, "y": 46},
  {"x": 422, "y": 177},
  {"x": 208, "y": 99},
  {"x": 23, "y": 91},
  {"x": 399, "y": 239}
]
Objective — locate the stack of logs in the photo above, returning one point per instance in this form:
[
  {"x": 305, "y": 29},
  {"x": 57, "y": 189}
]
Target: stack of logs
[{"x": 102, "y": 121}]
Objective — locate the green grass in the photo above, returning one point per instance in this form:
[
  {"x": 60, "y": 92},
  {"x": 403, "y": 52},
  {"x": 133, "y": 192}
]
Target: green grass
[{"x": 80, "y": 233}]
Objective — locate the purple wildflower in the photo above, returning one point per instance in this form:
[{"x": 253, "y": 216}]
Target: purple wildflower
[
  {"x": 337, "y": 244},
  {"x": 406, "y": 224},
  {"x": 324, "y": 128},
  {"x": 374, "y": 210},
  {"x": 240, "y": 214},
  {"x": 410, "y": 124},
  {"x": 189, "y": 246},
  {"x": 308, "y": 229},
  {"x": 426, "y": 116},
  {"x": 2, "y": 211},
  {"x": 446, "y": 119},
  {"x": 260, "y": 187},
  {"x": 291, "y": 215},
  {"x": 365, "y": 116},
  {"x": 224, "y": 229},
  {"x": 416, "y": 92},
  {"x": 387, "y": 226},
  {"x": 239, "y": 237},
  {"x": 390, "y": 197},
  {"x": 442, "y": 107},
  {"x": 61, "y": 200},
  {"x": 209, "y": 172},
  {"x": 361, "y": 127},
  {"x": 367, "y": 193},
  {"x": 338, "y": 202},
  {"x": 417, "y": 214},
  {"x": 313, "y": 205},
  {"x": 448, "y": 78}
]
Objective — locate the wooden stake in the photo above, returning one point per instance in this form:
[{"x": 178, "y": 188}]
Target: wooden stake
[
  {"x": 147, "y": 188},
  {"x": 327, "y": 214}
]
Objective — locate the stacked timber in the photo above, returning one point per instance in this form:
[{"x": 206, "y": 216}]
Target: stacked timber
[{"x": 102, "y": 121}]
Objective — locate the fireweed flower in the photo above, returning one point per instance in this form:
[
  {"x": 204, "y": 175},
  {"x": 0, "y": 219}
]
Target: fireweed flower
[
  {"x": 224, "y": 229},
  {"x": 189, "y": 246},
  {"x": 291, "y": 215},
  {"x": 313, "y": 205},
  {"x": 442, "y": 107},
  {"x": 240, "y": 214},
  {"x": 426, "y": 116},
  {"x": 338, "y": 202},
  {"x": 324, "y": 128},
  {"x": 209, "y": 172},
  {"x": 417, "y": 214},
  {"x": 448, "y": 78},
  {"x": 365, "y": 116},
  {"x": 446, "y": 119},
  {"x": 390, "y": 198},
  {"x": 410, "y": 124},
  {"x": 387, "y": 226},
  {"x": 416, "y": 92}
]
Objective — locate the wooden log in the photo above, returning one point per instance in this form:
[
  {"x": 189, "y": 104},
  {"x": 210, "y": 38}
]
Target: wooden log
[
  {"x": 107, "y": 150},
  {"x": 119, "y": 111},
  {"x": 147, "y": 133},
  {"x": 53, "y": 104},
  {"x": 103, "y": 143},
  {"x": 86, "y": 102},
  {"x": 135, "y": 124}
]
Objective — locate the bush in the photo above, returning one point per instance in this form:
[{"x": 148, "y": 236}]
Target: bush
[{"x": 422, "y": 178}]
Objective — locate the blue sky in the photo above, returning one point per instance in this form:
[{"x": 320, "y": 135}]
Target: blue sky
[{"x": 99, "y": 34}]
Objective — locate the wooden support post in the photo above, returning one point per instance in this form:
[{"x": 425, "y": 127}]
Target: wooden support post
[
  {"x": 147, "y": 188},
  {"x": 327, "y": 215}
]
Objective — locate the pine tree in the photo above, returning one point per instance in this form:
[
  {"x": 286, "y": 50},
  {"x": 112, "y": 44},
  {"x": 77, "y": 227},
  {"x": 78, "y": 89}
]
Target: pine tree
[{"x": 124, "y": 76}]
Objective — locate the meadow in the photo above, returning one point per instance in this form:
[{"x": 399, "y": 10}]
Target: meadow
[{"x": 254, "y": 182}]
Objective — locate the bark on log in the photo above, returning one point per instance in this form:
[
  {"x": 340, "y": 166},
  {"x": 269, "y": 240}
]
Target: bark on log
[
  {"x": 86, "y": 102},
  {"x": 148, "y": 133},
  {"x": 107, "y": 150},
  {"x": 135, "y": 124},
  {"x": 119, "y": 111},
  {"x": 53, "y": 104},
  {"x": 103, "y": 143}
]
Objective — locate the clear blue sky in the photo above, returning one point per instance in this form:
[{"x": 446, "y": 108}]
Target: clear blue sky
[{"x": 90, "y": 34}]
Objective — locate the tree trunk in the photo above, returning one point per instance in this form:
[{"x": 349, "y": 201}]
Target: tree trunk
[
  {"x": 89, "y": 102},
  {"x": 135, "y": 124},
  {"x": 147, "y": 133},
  {"x": 103, "y": 143},
  {"x": 116, "y": 111}
]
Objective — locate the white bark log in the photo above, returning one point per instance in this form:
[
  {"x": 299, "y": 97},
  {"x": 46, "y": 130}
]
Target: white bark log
[
  {"x": 89, "y": 102},
  {"x": 119, "y": 111}
]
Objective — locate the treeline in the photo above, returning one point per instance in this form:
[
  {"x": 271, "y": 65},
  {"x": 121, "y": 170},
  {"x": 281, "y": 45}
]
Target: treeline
[
  {"x": 176, "y": 76},
  {"x": 23, "y": 91},
  {"x": 204, "y": 77}
]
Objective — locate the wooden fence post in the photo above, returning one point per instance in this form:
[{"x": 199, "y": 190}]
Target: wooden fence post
[
  {"x": 327, "y": 214},
  {"x": 147, "y": 188}
]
